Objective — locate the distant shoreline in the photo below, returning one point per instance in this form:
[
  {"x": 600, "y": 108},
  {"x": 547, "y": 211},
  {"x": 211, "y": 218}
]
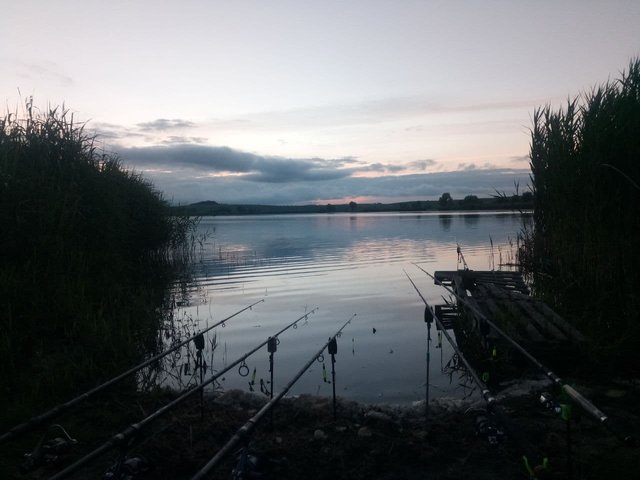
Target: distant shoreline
[{"x": 211, "y": 208}]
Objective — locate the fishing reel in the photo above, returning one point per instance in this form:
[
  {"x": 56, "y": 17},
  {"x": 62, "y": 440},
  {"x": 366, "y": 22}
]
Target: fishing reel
[
  {"x": 128, "y": 468},
  {"x": 547, "y": 402},
  {"x": 251, "y": 464},
  {"x": 48, "y": 452},
  {"x": 488, "y": 429}
]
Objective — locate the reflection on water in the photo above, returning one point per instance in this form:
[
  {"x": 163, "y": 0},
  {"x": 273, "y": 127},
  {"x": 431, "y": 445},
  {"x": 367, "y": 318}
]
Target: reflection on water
[{"x": 343, "y": 264}]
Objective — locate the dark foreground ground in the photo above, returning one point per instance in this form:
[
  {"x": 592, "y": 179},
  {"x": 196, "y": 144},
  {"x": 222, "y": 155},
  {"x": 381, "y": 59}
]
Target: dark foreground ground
[{"x": 365, "y": 442}]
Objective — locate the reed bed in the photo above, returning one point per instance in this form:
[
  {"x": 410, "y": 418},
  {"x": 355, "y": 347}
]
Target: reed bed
[
  {"x": 585, "y": 163},
  {"x": 87, "y": 252}
]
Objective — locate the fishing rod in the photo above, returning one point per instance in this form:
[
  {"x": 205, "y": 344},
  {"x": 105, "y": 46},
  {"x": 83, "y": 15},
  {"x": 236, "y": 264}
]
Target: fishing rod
[
  {"x": 37, "y": 420},
  {"x": 485, "y": 391},
  {"x": 247, "y": 429},
  {"x": 491, "y": 401},
  {"x": 121, "y": 439},
  {"x": 568, "y": 389}
]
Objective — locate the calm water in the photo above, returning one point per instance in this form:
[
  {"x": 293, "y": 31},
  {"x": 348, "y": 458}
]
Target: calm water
[{"x": 343, "y": 264}]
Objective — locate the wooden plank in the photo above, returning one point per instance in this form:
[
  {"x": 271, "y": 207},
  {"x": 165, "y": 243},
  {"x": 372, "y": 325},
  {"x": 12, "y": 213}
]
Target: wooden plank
[
  {"x": 559, "y": 323},
  {"x": 446, "y": 314},
  {"x": 565, "y": 326},
  {"x": 511, "y": 283},
  {"x": 494, "y": 311},
  {"x": 533, "y": 333},
  {"x": 547, "y": 326}
]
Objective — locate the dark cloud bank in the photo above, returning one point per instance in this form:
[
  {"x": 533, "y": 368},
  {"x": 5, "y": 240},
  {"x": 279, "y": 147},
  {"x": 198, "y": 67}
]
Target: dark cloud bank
[{"x": 189, "y": 173}]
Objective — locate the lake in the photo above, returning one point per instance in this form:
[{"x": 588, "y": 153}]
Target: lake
[{"x": 344, "y": 264}]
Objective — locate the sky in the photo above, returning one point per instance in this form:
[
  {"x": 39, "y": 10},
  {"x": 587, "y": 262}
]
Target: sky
[{"x": 294, "y": 102}]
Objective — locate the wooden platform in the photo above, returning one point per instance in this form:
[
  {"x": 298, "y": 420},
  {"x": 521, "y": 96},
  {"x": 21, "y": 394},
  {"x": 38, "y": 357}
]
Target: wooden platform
[{"x": 503, "y": 297}]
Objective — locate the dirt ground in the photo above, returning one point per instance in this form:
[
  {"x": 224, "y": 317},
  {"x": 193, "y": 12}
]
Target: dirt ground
[{"x": 304, "y": 441}]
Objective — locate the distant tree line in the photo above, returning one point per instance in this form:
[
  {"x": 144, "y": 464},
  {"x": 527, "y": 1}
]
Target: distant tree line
[{"x": 446, "y": 202}]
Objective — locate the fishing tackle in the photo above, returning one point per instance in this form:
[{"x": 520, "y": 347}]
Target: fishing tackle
[
  {"x": 332, "y": 347},
  {"x": 566, "y": 388},
  {"x": 252, "y": 382},
  {"x": 244, "y": 432},
  {"x": 133, "y": 429},
  {"x": 243, "y": 369},
  {"x": 263, "y": 388},
  {"x": 47, "y": 452},
  {"x": 272, "y": 348},
  {"x": 324, "y": 373},
  {"x": 198, "y": 340},
  {"x": 128, "y": 468},
  {"x": 547, "y": 401},
  {"x": 40, "y": 419},
  {"x": 487, "y": 428},
  {"x": 492, "y": 406}
]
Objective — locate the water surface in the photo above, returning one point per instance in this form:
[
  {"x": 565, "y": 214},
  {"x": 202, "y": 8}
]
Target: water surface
[{"x": 344, "y": 264}]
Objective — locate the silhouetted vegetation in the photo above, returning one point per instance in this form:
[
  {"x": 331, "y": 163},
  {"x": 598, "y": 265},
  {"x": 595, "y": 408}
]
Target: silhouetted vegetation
[
  {"x": 210, "y": 208},
  {"x": 585, "y": 161},
  {"x": 445, "y": 200},
  {"x": 86, "y": 253}
]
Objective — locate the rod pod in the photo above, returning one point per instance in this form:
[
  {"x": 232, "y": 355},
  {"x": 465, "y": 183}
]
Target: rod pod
[
  {"x": 576, "y": 396},
  {"x": 332, "y": 348},
  {"x": 492, "y": 406},
  {"x": 244, "y": 433},
  {"x": 134, "y": 429},
  {"x": 58, "y": 409}
]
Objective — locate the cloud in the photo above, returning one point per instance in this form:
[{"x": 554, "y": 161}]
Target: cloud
[
  {"x": 179, "y": 140},
  {"x": 162, "y": 124},
  {"x": 467, "y": 166},
  {"x": 413, "y": 110},
  {"x": 422, "y": 164},
  {"x": 112, "y": 131},
  {"x": 208, "y": 160},
  {"x": 190, "y": 172},
  {"x": 188, "y": 186},
  {"x": 46, "y": 71},
  {"x": 381, "y": 167},
  {"x": 520, "y": 159}
]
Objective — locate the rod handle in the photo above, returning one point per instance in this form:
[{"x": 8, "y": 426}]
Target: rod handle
[{"x": 584, "y": 403}]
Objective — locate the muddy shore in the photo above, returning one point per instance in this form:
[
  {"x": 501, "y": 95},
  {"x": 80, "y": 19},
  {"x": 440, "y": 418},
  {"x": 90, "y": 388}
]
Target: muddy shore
[{"x": 379, "y": 441}]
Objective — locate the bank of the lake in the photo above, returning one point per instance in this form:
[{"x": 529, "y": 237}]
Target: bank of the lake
[{"x": 364, "y": 441}]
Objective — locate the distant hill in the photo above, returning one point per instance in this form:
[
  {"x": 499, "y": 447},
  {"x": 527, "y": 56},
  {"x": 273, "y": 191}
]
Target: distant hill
[{"x": 472, "y": 203}]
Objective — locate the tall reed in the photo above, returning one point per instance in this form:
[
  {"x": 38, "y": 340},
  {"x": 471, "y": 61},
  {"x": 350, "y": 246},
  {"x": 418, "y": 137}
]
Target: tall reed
[
  {"x": 84, "y": 250},
  {"x": 585, "y": 163}
]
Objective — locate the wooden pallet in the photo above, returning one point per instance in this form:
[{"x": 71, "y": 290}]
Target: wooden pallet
[{"x": 503, "y": 297}]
